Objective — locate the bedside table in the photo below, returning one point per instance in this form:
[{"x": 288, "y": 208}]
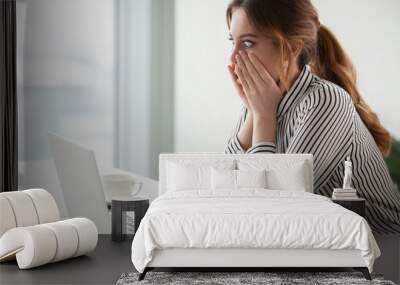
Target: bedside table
[
  {"x": 357, "y": 205},
  {"x": 122, "y": 204}
]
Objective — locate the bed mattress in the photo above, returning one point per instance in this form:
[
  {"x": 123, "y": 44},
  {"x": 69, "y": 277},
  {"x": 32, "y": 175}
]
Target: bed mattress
[{"x": 250, "y": 219}]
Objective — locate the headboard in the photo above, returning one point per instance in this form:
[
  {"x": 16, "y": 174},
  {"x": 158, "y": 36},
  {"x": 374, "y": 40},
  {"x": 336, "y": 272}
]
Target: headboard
[{"x": 271, "y": 159}]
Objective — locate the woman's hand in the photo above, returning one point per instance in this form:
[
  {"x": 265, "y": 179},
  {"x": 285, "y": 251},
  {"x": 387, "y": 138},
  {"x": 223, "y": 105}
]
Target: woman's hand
[
  {"x": 261, "y": 91},
  {"x": 236, "y": 82},
  {"x": 246, "y": 131}
]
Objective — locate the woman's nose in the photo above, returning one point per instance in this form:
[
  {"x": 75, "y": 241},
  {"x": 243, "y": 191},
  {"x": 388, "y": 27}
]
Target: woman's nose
[{"x": 233, "y": 54}]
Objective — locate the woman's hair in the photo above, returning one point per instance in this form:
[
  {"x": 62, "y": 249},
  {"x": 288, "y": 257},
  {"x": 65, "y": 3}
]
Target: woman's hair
[{"x": 295, "y": 29}]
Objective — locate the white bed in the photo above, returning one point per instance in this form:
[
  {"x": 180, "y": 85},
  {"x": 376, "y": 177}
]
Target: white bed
[{"x": 250, "y": 227}]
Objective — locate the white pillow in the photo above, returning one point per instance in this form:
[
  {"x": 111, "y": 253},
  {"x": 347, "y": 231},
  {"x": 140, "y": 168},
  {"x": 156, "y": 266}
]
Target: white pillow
[
  {"x": 290, "y": 179},
  {"x": 282, "y": 175},
  {"x": 251, "y": 178},
  {"x": 223, "y": 178},
  {"x": 237, "y": 179},
  {"x": 188, "y": 176}
]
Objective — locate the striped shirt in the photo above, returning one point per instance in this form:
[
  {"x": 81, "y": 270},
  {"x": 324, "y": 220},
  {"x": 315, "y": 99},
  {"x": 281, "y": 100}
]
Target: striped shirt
[{"x": 317, "y": 116}]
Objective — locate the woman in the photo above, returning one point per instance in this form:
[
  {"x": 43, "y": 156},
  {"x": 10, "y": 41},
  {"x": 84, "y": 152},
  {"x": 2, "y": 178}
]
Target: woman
[{"x": 299, "y": 94}]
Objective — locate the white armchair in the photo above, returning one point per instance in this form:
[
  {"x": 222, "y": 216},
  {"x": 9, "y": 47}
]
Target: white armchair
[{"x": 31, "y": 231}]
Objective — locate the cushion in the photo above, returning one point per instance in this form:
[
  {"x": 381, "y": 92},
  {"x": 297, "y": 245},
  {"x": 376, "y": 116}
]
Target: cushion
[
  {"x": 40, "y": 244},
  {"x": 251, "y": 178},
  {"x": 282, "y": 175},
  {"x": 23, "y": 208},
  {"x": 223, "y": 178},
  {"x": 45, "y": 205},
  {"x": 7, "y": 220},
  {"x": 237, "y": 179},
  {"x": 185, "y": 175},
  {"x": 27, "y": 208},
  {"x": 291, "y": 179},
  {"x": 31, "y": 233}
]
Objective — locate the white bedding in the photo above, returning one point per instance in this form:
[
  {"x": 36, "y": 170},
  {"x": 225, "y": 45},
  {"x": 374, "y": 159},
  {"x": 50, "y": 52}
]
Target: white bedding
[{"x": 250, "y": 218}]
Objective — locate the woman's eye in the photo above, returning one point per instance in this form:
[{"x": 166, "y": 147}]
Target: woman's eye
[{"x": 247, "y": 44}]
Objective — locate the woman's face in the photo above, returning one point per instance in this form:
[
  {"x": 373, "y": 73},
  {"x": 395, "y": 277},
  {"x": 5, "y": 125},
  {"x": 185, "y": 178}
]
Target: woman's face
[{"x": 245, "y": 37}]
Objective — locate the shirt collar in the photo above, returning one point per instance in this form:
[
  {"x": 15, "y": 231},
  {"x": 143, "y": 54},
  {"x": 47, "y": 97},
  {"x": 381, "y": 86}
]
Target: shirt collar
[{"x": 299, "y": 86}]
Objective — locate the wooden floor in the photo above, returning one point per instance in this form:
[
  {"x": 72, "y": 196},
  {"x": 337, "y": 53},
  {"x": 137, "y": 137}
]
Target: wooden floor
[
  {"x": 102, "y": 266},
  {"x": 111, "y": 259}
]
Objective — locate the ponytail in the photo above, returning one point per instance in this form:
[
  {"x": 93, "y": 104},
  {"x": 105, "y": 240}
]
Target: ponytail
[{"x": 332, "y": 63}]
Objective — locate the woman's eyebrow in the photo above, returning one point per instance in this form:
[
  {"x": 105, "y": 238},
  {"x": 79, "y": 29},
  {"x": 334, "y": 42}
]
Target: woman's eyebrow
[{"x": 246, "y": 35}]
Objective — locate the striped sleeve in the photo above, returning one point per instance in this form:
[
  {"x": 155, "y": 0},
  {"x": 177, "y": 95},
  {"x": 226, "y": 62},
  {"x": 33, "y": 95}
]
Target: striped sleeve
[
  {"x": 325, "y": 129},
  {"x": 233, "y": 144},
  {"x": 268, "y": 147}
]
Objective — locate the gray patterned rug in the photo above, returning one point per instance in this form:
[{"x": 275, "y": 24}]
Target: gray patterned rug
[{"x": 275, "y": 278}]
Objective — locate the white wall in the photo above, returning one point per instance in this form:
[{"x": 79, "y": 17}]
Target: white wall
[
  {"x": 207, "y": 105},
  {"x": 144, "y": 64},
  {"x": 65, "y": 84},
  {"x": 205, "y": 101}
]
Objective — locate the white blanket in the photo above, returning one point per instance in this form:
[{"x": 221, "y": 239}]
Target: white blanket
[{"x": 251, "y": 218}]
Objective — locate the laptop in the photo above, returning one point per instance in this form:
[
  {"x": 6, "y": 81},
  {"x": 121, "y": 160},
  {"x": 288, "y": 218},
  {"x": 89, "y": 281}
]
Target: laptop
[{"x": 80, "y": 182}]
